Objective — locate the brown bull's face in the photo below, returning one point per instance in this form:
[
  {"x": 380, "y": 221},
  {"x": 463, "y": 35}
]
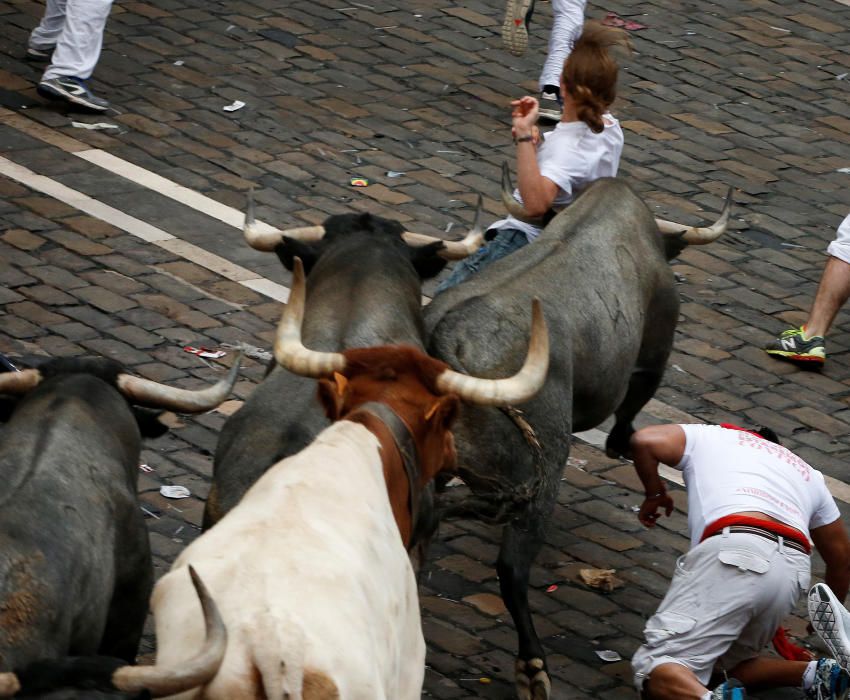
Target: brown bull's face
[{"x": 401, "y": 378}]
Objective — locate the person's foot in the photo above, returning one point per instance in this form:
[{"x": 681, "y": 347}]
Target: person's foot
[
  {"x": 831, "y": 621},
  {"x": 38, "y": 55},
  {"x": 831, "y": 683},
  {"x": 551, "y": 105},
  {"x": 730, "y": 690},
  {"x": 515, "y": 26},
  {"x": 72, "y": 90},
  {"x": 795, "y": 346}
]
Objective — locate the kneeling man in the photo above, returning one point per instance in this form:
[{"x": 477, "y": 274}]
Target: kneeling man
[{"x": 752, "y": 508}]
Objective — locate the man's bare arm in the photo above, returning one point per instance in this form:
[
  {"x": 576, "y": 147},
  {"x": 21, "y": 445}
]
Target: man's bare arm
[{"x": 657, "y": 443}]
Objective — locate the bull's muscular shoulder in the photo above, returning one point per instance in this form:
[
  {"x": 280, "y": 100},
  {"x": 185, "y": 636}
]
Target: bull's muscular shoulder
[{"x": 610, "y": 191}]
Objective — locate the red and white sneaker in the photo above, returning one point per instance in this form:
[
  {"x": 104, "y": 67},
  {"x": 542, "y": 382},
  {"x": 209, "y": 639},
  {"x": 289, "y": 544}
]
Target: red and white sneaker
[{"x": 515, "y": 26}]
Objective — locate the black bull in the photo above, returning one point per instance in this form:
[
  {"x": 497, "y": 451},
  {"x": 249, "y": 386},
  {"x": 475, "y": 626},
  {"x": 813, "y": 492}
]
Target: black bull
[
  {"x": 75, "y": 566},
  {"x": 601, "y": 270},
  {"x": 363, "y": 289}
]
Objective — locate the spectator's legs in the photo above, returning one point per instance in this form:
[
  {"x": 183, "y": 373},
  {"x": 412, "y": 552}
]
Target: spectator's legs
[
  {"x": 833, "y": 292},
  {"x": 79, "y": 43}
]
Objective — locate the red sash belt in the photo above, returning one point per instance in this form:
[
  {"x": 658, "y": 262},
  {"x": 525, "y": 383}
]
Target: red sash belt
[{"x": 758, "y": 526}]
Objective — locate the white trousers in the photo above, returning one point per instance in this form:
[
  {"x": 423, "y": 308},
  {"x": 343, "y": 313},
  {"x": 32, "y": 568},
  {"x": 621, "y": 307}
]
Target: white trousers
[
  {"x": 75, "y": 29},
  {"x": 566, "y": 28},
  {"x": 840, "y": 247}
]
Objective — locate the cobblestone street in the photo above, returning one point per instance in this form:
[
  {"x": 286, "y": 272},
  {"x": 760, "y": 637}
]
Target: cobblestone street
[{"x": 748, "y": 94}]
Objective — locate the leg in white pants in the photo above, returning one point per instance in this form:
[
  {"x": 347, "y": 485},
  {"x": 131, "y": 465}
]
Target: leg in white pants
[
  {"x": 46, "y": 34},
  {"x": 75, "y": 28},
  {"x": 566, "y": 28}
]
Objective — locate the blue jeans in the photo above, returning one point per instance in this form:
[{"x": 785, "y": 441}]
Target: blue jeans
[{"x": 506, "y": 241}]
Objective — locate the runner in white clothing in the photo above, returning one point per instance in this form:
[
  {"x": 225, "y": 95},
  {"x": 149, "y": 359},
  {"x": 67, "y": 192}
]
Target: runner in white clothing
[
  {"x": 69, "y": 39},
  {"x": 754, "y": 508}
]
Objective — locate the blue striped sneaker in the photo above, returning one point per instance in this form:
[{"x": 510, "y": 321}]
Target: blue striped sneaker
[
  {"x": 72, "y": 90},
  {"x": 730, "y": 690}
]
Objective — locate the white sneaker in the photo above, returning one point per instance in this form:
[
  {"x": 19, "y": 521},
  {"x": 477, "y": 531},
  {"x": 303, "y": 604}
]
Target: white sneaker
[{"x": 831, "y": 621}]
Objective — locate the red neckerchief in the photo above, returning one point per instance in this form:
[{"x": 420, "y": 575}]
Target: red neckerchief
[{"x": 732, "y": 426}]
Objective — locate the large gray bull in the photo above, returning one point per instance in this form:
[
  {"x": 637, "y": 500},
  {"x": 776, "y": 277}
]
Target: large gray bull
[
  {"x": 75, "y": 563},
  {"x": 600, "y": 268},
  {"x": 364, "y": 289}
]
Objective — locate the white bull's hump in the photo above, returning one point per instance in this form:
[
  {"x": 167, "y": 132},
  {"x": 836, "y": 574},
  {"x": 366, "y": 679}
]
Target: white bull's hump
[{"x": 309, "y": 568}]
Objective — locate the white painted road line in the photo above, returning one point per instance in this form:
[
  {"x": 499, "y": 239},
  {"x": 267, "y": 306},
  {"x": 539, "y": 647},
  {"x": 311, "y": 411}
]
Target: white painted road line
[
  {"x": 83, "y": 202},
  {"x": 168, "y": 188},
  {"x": 142, "y": 230}
]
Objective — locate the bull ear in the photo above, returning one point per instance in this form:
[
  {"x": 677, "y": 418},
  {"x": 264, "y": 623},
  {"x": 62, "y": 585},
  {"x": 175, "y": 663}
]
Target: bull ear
[
  {"x": 148, "y": 421},
  {"x": 7, "y": 407},
  {"x": 291, "y": 248},
  {"x": 426, "y": 260},
  {"x": 444, "y": 411},
  {"x": 332, "y": 394}
]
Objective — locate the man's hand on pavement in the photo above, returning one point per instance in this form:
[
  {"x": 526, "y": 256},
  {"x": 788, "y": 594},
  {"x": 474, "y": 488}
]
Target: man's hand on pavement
[{"x": 648, "y": 513}]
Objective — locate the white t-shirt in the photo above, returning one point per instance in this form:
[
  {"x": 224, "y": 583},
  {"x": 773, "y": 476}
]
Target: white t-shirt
[
  {"x": 572, "y": 156},
  {"x": 730, "y": 471}
]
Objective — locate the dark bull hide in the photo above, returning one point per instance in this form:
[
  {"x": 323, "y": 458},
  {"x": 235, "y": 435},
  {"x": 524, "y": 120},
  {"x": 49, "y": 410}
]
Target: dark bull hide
[
  {"x": 364, "y": 289},
  {"x": 75, "y": 563},
  {"x": 600, "y": 269}
]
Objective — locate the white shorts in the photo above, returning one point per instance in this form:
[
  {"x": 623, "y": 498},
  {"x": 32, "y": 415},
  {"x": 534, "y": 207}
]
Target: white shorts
[
  {"x": 840, "y": 247},
  {"x": 727, "y": 597}
]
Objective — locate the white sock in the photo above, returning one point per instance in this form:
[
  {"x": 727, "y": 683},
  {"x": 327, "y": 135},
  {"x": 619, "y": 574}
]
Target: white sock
[
  {"x": 809, "y": 674},
  {"x": 707, "y": 696}
]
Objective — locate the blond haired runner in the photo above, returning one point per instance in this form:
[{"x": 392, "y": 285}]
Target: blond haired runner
[{"x": 584, "y": 146}]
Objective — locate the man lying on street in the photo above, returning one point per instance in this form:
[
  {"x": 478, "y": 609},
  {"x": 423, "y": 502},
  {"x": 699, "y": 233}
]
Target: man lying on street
[{"x": 752, "y": 507}]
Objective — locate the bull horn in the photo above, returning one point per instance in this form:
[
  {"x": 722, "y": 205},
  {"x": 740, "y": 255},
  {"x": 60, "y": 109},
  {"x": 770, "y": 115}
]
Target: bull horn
[
  {"x": 18, "y": 383},
  {"x": 698, "y": 235},
  {"x": 521, "y": 387},
  {"x": 145, "y": 392},
  {"x": 265, "y": 238},
  {"x": 192, "y": 673},
  {"x": 9, "y": 685},
  {"x": 453, "y": 250},
  {"x": 514, "y": 208},
  {"x": 289, "y": 351}
]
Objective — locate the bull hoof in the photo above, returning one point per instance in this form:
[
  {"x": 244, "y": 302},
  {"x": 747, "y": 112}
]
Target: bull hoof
[
  {"x": 618, "y": 444},
  {"x": 532, "y": 680}
]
